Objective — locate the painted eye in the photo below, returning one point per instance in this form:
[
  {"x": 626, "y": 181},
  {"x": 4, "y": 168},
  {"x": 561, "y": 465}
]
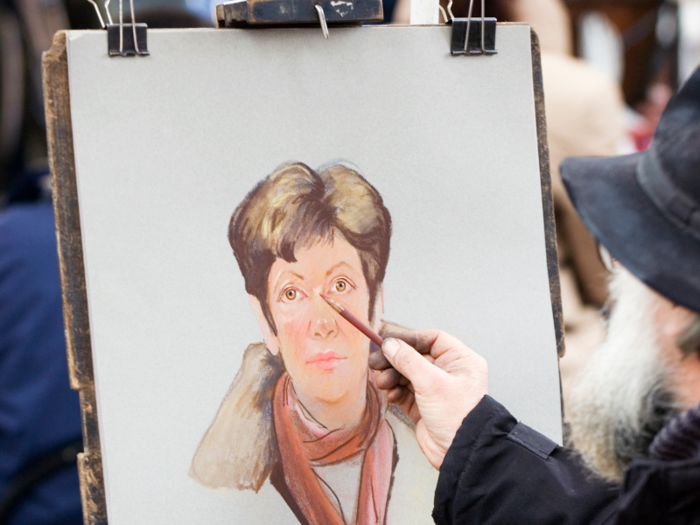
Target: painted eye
[
  {"x": 290, "y": 294},
  {"x": 341, "y": 286}
]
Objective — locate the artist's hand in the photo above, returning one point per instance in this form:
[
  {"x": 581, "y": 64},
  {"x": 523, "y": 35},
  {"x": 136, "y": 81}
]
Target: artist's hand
[{"x": 436, "y": 379}]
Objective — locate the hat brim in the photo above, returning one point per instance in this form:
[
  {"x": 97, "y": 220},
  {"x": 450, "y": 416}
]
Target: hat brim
[{"x": 620, "y": 215}]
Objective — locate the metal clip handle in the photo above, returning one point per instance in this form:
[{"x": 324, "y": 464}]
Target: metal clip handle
[{"x": 322, "y": 20}]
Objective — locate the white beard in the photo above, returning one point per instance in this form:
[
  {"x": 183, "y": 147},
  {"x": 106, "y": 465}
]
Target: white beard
[{"x": 621, "y": 399}]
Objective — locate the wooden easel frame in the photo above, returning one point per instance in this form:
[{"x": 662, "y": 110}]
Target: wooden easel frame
[{"x": 72, "y": 270}]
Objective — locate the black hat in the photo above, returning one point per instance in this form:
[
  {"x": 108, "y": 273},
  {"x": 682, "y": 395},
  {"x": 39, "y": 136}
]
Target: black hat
[{"x": 644, "y": 208}]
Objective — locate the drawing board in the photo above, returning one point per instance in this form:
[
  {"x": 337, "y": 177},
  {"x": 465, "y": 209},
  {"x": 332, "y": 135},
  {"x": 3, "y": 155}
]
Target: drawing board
[{"x": 152, "y": 155}]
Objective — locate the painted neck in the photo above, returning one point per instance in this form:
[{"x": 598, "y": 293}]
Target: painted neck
[{"x": 344, "y": 413}]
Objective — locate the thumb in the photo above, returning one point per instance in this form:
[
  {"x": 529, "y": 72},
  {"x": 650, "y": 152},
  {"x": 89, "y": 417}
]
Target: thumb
[{"x": 408, "y": 362}]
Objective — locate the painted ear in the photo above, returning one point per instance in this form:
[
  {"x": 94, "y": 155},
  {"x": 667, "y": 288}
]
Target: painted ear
[
  {"x": 270, "y": 338},
  {"x": 378, "y": 312}
]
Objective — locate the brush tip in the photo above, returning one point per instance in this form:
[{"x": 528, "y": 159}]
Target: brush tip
[{"x": 331, "y": 302}]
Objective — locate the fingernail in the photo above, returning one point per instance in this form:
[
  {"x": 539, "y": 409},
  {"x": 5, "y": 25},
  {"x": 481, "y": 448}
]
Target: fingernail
[{"x": 390, "y": 346}]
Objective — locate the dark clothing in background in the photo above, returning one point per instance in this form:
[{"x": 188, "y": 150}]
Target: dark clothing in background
[
  {"x": 501, "y": 472},
  {"x": 38, "y": 410}
]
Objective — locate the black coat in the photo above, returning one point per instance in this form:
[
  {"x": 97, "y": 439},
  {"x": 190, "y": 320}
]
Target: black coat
[{"x": 501, "y": 472}]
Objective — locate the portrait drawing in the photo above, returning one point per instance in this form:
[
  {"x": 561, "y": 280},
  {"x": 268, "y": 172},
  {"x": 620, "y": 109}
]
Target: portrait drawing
[{"x": 303, "y": 411}]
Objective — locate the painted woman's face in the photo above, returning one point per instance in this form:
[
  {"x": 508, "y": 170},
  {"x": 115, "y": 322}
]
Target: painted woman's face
[{"x": 325, "y": 356}]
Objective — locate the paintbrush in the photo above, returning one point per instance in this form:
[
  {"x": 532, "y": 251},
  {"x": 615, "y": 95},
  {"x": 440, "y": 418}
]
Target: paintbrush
[{"x": 362, "y": 327}]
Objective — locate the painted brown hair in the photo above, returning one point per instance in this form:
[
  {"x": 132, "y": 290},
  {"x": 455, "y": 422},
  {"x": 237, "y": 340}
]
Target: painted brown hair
[{"x": 295, "y": 207}]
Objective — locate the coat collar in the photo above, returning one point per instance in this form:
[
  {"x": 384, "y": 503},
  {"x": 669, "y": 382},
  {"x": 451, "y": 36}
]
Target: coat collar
[{"x": 661, "y": 492}]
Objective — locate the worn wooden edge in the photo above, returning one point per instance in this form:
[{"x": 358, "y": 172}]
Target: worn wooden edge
[
  {"x": 550, "y": 228},
  {"x": 72, "y": 271},
  {"x": 547, "y": 196}
]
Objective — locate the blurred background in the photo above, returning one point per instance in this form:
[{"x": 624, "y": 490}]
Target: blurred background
[{"x": 609, "y": 68}]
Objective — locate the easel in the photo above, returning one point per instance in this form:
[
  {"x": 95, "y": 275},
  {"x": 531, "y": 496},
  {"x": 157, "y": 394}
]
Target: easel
[{"x": 67, "y": 204}]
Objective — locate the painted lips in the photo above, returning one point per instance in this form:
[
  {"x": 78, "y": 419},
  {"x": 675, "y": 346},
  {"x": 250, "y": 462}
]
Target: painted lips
[{"x": 326, "y": 360}]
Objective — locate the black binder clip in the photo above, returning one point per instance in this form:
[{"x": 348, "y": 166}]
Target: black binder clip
[
  {"x": 127, "y": 39},
  {"x": 482, "y": 36},
  {"x": 123, "y": 39},
  {"x": 271, "y": 13},
  {"x": 473, "y": 36}
]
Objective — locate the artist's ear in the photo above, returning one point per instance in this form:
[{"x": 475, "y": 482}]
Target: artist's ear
[
  {"x": 378, "y": 313},
  {"x": 676, "y": 320},
  {"x": 270, "y": 338}
]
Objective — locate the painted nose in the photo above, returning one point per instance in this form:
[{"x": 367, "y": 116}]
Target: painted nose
[{"x": 324, "y": 326}]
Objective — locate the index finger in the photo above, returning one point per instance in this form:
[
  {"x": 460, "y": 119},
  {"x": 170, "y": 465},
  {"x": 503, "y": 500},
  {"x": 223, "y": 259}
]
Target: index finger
[
  {"x": 377, "y": 360},
  {"x": 413, "y": 338},
  {"x": 433, "y": 342}
]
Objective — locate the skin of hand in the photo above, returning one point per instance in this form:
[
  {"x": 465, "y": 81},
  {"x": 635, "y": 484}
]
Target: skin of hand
[{"x": 435, "y": 379}]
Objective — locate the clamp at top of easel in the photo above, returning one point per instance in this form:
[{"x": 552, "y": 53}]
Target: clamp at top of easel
[
  {"x": 267, "y": 13},
  {"x": 123, "y": 39},
  {"x": 482, "y": 36},
  {"x": 471, "y": 36}
]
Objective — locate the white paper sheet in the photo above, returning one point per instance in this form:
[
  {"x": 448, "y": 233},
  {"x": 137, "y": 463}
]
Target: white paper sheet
[{"x": 167, "y": 145}]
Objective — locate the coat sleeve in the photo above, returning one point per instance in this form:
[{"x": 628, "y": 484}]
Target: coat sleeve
[{"x": 499, "y": 471}]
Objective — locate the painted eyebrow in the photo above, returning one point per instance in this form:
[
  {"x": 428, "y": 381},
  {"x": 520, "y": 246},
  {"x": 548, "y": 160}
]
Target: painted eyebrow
[
  {"x": 293, "y": 273},
  {"x": 283, "y": 274},
  {"x": 341, "y": 263}
]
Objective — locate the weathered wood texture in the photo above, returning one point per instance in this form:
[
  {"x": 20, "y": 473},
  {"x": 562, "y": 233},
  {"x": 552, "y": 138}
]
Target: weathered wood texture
[
  {"x": 547, "y": 197},
  {"x": 70, "y": 258},
  {"x": 283, "y": 12}
]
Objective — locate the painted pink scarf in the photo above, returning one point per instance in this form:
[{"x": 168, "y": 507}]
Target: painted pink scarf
[{"x": 302, "y": 446}]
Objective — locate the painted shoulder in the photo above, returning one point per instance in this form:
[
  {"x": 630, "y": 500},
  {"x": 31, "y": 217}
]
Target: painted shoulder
[{"x": 237, "y": 451}]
